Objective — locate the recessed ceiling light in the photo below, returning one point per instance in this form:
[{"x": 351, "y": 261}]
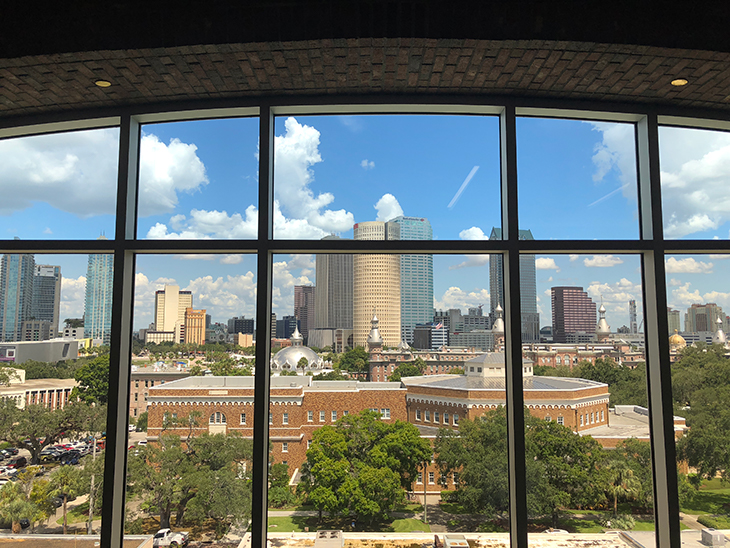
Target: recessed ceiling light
[
  {"x": 679, "y": 82},
  {"x": 103, "y": 83}
]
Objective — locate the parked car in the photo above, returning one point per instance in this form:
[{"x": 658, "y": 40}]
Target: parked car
[
  {"x": 166, "y": 537},
  {"x": 11, "y": 450},
  {"x": 58, "y": 501},
  {"x": 50, "y": 456},
  {"x": 70, "y": 457},
  {"x": 17, "y": 462}
]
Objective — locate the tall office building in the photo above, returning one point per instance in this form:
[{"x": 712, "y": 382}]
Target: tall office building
[
  {"x": 304, "y": 296},
  {"x": 170, "y": 307},
  {"x": 241, "y": 325},
  {"x": 573, "y": 312},
  {"x": 16, "y": 294},
  {"x": 286, "y": 326},
  {"x": 194, "y": 326},
  {"x": 416, "y": 277},
  {"x": 673, "y": 317},
  {"x": 703, "y": 317},
  {"x": 528, "y": 288},
  {"x": 98, "y": 304},
  {"x": 46, "y": 303},
  {"x": 333, "y": 297},
  {"x": 376, "y": 286},
  {"x": 633, "y": 324}
]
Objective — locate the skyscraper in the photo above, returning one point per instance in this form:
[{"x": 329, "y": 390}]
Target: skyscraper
[
  {"x": 16, "y": 294},
  {"x": 416, "y": 277},
  {"x": 702, "y": 317},
  {"x": 333, "y": 297},
  {"x": 47, "y": 295},
  {"x": 98, "y": 304},
  {"x": 528, "y": 288},
  {"x": 633, "y": 324},
  {"x": 170, "y": 307},
  {"x": 304, "y": 296},
  {"x": 673, "y": 318},
  {"x": 573, "y": 312},
  {"x": 376, "y": 286},
  {"x": 194, "y": 326}
]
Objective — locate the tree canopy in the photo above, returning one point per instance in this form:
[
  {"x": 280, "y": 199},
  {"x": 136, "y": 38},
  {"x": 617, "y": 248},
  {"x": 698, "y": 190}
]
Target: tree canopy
[
  {"x": 361, "y": 466},
  {"x": 405, "y": 370},
  {"x": 356, "y": 360},
  {"x": 93, "y": 379}
]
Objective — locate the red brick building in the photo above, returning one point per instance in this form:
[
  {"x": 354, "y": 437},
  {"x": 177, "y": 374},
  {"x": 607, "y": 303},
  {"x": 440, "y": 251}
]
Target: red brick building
[{"x": 298, "y": 406}]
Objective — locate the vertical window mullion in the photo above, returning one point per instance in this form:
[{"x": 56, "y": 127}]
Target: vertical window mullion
[
  {"x": 656, "y": 334},
  {"x": 513, "y": 332},
  {"x": 259, "y": 493},
  {"x": 120, "y": 354}
]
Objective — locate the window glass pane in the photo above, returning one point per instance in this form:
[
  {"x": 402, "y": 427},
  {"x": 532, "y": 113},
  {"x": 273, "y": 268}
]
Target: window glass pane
[
  {"x": 59, "y": 186},
  {"x": 199, "y": 179},
  {"x": 577, "y": 179},
  {"x": 190, "y": 454},
  {"x": 354, "y": 371},
  {"x": 698, "y": 352},
  {"x": 588, "y": 452},
  {"x": 694, "y": 172},
  {"x": 331, "y": 172},
  {"x": 54, "y": 376}
]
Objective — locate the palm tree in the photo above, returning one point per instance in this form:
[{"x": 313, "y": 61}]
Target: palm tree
[
  {"x": 14, "y": 505},
  {"x": 621, "y": 482},
  {"x": 66, "y": 483}
]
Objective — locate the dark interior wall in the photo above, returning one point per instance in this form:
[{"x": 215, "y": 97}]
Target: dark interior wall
[{"x": 44, "y": 26}]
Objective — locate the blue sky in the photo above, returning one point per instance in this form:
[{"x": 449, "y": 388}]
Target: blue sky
[{"x": 199, "y": 180}]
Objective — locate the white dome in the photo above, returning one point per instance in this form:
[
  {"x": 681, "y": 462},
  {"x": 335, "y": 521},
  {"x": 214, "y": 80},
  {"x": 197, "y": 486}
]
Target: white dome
[{"x": 288, "y": 359}]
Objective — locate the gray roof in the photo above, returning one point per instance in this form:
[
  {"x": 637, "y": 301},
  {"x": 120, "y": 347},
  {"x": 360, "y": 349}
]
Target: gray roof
[
  {"x": 493, "y": 358},
  {"x": 463, "y": 382}
]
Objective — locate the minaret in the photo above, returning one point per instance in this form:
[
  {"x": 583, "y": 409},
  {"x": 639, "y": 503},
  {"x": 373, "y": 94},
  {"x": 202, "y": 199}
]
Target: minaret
[
  {"x": 498, "y": 330},
  {"x": 603, "y": 330},
  {"x": 719, "y": 336},
  {"x": 375, "y": 341},
  {"x": 296, "y": 338}
]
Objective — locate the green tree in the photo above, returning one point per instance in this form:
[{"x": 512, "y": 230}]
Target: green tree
[
  {"x": 355, "y": 360},
  {"x": 14, "y": 506},
  {"x": 193, "y": 478},
  {"x": 335, "y": 375},
  {"x": 621, "y": 482},
  {"x": 405, "y": 370},
  {"x": 67, "y": 483},
  {"x": 93, "y": 379},
  {"x": 561, "y": 466},
  {"x": 36, "y": 426},
  {"x": 73, "y": 322},
  {"x": 361, "y": 466},
  {"x": 7, "y": 375},
  {"x": 303, "y": 363},
  {"x": 196, "y": 371},
  {"x": 456, "y": 371},
  {"x": 142, "y": 421}
]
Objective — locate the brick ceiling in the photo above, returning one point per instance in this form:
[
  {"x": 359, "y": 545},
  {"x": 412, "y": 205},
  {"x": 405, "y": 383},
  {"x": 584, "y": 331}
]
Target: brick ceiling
[{"x": 281, "y": 49}]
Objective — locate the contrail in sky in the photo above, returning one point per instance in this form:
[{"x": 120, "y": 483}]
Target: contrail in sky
[
  {"x": 608, "y": 195},
  {"x": 462, "y": 187}
]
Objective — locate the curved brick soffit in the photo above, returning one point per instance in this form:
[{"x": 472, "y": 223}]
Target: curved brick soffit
[{"x": 599, "y": 72}]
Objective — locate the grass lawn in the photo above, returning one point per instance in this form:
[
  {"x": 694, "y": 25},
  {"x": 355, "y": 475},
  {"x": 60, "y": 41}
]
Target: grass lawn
[
  {"x": 77, "y": 514},
  {"x": 712, "y": 498},
  {"x": 297, "y": 524}
]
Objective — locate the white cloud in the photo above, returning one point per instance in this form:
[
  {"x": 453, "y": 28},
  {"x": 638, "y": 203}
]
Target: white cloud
[
  {"x": 367, "y": 164},
  {"x": 673, "y": 282},
  {"x": 455, "y": 297},
  {"x": 695, "y": 171},
  {"x": 573, "y": 258},
  {"x": 388, "y": 208},
  {"x": 602, "y": 261},
  {"x": 225, "y": 296},
  {"x": 546, "y": 263},
  {"x": 74, "y": 172},
  {"x": 165, "y": 170},
  {"x": 473, "y": 233},
  {"x": 720, "y": 257},
  {"x": 48, "y": 231},
  {"x": 683, "y": 297},
  {"x": 231, "y": 259},
  {"x": 688, "y": 266},
  {"x": 204, "y": 224},
  {"x": 302, "y": 212},
  {"x": 616, "y": 297},
  {"x": 286, "y": 275},
  {"x": 73, "y": 294},
  {"x": 616, "y": 151}
]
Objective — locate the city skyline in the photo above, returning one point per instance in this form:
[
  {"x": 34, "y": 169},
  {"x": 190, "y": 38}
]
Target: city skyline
[{"x": 199, "y": 164}]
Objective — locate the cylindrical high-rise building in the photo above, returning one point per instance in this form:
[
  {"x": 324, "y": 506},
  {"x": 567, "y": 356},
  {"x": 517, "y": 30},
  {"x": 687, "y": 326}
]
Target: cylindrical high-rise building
[{"x": 376, "y": 287}]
